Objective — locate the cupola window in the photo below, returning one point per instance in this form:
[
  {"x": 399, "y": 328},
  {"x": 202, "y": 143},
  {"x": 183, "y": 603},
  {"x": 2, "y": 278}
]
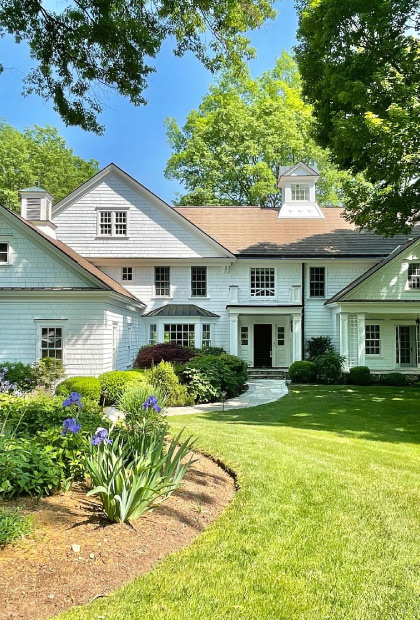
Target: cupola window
[{"x": 300, "y": 192}]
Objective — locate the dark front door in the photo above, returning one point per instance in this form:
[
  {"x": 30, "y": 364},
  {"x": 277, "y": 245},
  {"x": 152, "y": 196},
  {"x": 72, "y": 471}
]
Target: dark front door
[{"x": 262, "y": 345}]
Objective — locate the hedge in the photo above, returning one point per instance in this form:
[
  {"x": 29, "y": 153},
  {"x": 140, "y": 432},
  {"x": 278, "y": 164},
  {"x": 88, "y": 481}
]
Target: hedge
[{"x": 88, "y": 387}]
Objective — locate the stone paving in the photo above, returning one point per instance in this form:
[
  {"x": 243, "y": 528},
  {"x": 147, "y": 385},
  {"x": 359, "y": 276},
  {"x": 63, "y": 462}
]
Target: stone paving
[{"x": 260, "y": 392}]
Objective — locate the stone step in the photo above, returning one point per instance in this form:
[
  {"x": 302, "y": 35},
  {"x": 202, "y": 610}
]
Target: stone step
[{"x": 267, "y": 373}]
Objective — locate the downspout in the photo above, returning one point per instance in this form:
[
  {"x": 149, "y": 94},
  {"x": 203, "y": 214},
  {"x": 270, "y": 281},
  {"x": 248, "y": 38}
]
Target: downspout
[{"x": 303, "y": 310}]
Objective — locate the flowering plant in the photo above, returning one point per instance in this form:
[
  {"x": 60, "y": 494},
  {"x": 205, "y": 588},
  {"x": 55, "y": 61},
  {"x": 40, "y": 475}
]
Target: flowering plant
[
  {"x": 100, "y": 436},
  {"x": 70, "y": 425},
  {"x": 152, "y": 403},
  {"x": 6, "y": 386},
  {"x": 74, "y": 399}
]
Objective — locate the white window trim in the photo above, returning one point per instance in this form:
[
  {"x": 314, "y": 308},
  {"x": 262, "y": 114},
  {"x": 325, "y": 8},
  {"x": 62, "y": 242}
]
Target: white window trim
[
  {"x": 40, "y": 323},
  {"x": 122, "y": 273},
  {"x": 7, "y": 263},
  {"x": 308, "y": 282},
  {"x": 191, "y": 282},
  {"x": 113, "y": 212},
  {"x": 253, "y": 297},
  {"x": 374, "y": 355},
  {"x": 155, "y": 295},
  {"x": 303, "y": 186}
]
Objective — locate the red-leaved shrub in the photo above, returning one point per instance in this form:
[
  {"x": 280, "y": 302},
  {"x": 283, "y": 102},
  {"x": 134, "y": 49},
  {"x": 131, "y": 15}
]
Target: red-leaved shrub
[{"x": 164, "y": 351}]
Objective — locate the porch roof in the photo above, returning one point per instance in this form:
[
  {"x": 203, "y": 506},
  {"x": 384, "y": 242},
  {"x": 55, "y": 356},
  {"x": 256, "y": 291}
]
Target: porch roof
[{"x": 180, "y": 310}]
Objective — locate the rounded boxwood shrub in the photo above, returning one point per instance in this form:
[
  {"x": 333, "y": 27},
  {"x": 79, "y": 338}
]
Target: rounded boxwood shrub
[
  {"x": 302, "y": 372},
  {"x": 359, "y": 375},
  {"x": 394, "y": 379},
  {"x": 88, "y": 387},
  {"x": 163, "y": 352},
  {"x": 113, "y": 383},
  {"x": 329, "y": 367}
]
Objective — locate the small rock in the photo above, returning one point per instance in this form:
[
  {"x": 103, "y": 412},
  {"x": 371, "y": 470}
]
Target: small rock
[
  {"x": 91, "y": 555},
  {"x": 80, "y": 558},
  {"x": 51, "y": 596},
  {"x": 75, "y": 548}
]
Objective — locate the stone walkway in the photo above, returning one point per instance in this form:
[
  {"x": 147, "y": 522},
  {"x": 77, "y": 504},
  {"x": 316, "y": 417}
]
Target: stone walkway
[{"x": 260, "y": 392}]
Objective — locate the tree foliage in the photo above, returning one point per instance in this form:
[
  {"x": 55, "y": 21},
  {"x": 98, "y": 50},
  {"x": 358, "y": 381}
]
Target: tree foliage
[
  {"x": 38, "y": 154},
  {"x": 85, "y": 46},
  {"x": 230, "y": 149},
  {"x": 360, "y": 64}
]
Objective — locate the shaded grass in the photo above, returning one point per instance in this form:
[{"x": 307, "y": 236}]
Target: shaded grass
[{"x": 325, "y": 525}]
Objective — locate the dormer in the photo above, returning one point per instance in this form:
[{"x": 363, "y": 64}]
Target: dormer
[
  {"x": 298, "y": 183},
  {"x": 36, "y": 206}
]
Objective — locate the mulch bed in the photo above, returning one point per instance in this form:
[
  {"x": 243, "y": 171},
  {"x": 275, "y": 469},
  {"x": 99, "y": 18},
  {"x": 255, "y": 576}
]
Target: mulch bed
[{"x": 42, "y": 576}]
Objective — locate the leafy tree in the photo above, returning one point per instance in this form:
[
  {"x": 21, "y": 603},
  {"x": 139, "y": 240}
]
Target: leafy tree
[
  {"x": 38, "y": 154},
  {"x": 230, "y": 149},
  {"x": 89, "y": 45},
  {"x": 360, "y": 65}
]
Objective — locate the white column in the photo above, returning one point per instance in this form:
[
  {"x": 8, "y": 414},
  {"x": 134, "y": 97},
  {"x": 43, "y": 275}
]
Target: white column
[
  {"x": 361, "y": 338},
  {"x": 160, "y": 332},
  {"x": 199, "y": 336},
  {"x": 344, "y": 338},
  {"x": 234, "y": 334},
  {"x": 296, "y": 338}
]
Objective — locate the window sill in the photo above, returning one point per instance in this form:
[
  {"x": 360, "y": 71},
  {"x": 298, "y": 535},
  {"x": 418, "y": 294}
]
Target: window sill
[
  {"x": 197, "y": 298},
  {"x": 160, "y": 297},
  {"x": 126, "y": 237}
]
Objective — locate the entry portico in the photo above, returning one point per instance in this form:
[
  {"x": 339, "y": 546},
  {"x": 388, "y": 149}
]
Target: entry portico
[{"x": 266, "y": 336}]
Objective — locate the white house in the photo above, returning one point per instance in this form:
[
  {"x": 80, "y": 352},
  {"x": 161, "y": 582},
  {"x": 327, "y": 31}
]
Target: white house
[{"x": 112, "y": 267}]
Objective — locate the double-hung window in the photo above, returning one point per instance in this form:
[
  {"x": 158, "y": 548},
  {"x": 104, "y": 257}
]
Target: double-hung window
[
  {"x": 127, "y": 274},
  {"x": 4, "y": 253},
  {"x": 414, "y": 275},
  {"x": 262, "y": 282},
  {"x": 153, "y": 334},
  {"x": 162, "y": 281},
  {"x": 198, "y": 281},
  {"x": 317, "y": 282},
  {"x": 300, "y": 192},
  {"x": 373, "y": 339},
  {"x": 206, "y": 337},
  {"x": 112, "y": 223},
  {"x": 52, "y": 342},
  {"x": 181, "y": 333}
]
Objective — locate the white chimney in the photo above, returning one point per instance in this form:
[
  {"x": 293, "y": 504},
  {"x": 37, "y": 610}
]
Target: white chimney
[
  {"x": 298, "y": 192},
  {"x": 36, "y": 206}
]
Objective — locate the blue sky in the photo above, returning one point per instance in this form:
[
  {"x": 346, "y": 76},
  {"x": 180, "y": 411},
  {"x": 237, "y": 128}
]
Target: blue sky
[{"x": 135, "y": 138}]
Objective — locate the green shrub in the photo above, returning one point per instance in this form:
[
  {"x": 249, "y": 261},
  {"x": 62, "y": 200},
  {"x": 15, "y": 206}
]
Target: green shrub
[
  {"x": 163, "y": 376},
  {"x": 214, "y": 374},
  {"x": 317, "y": 346},
  {"x": 359, "y": 375},
  {"x": 329, "y": 367},
  {"x": 68, "y": 451},
  {"x": 23, "y": 375},
  {"x": 48, "y": 372},
  {"x": 13, "y": 525},
  {"x": 87, "y": 387},
  {"x": 204, "y": 386},
  {"x": 114, "y": 382},
  {"x": 137, "y": 417},
  {"x": 211, "y": 351},
  {"x": 27, "y": 468},
  {"x": 302, "y": 372},
  {"x": 394, "y": 379}
]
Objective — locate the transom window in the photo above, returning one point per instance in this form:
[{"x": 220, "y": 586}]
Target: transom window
[
  {"x": 181, "y": 333},
  {"x": 373, "y": 339},
  {"x": 113, "y": 223},
  {"x": 127, "y": 274},
  {"x": 244, "y": 335},
  {"x": 206, "y": 338},
  {"x": 198, "y": 281},
  {"x": 162, "y": 281},
  {"x": 414, "y": 275},
  {"x": 4, "y": 253},
  {"x": 152, "y": 334},
  {"x": 262, "y": 282},
  {"x": 52, "y": 342},
  {"x": 317, "y": 282},
  {"x": 300, "y": 191},
  {"x": 280, "y": 336}
]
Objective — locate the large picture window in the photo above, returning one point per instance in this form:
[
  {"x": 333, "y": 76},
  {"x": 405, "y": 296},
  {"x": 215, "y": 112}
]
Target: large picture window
[
  {"x": 414, "y": 275},
  {"x": 317, "y": 282},
  {"x": 373, "y": 339},
  {"x": 112, "y": 223},
  {"x": 52, "y": 342},
  {"x": 198, "y": 281},
  {"x": 181, "y": 333},
  {"x": 262, "y": 282},
  {"x": 162, "y": 281}
]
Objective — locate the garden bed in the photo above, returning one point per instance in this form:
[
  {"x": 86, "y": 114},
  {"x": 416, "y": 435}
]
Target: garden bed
[{"x": 42, "y": 576}]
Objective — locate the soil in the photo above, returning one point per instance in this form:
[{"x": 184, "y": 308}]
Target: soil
[{"x": 42, "y": 575}]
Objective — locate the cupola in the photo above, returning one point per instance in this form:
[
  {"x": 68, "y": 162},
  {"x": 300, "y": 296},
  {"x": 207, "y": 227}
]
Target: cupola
[
  {"x": 36, "y": 206},
  {"x": 298, "y": 183}
]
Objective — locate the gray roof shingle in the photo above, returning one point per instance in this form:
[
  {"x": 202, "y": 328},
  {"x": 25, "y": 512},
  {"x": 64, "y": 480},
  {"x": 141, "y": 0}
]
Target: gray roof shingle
[{"x": 181, "y": 310}]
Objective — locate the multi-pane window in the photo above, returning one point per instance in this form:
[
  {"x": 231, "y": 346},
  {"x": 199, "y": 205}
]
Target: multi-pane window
[
  {"x": 262, "y": 282},
  {"x": 317, "y": 282},
  {"x": 206, "y": 338},
  {"x": 300, "y": 191},
  {"x": 414, "y": 275},
  {"x": 244, "y": 335},
  {"x": 280, "y": 336},
  {"x": 162, "y": 281},
  {"x": 127, "y": 274},
  {"x": 198, "y": 281},
  {"x": 152, "y": 334},
  {"x": 4, "y": 253},
  {"x": 113, "y": 223},
  {"x": 52, "y": 342},
  {"x": 373, "y": 339},
  {"x": 180, "y": 333}
]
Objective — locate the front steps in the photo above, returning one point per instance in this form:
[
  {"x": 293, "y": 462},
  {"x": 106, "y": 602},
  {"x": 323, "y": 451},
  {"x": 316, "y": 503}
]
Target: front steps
[{"x": 267, "y": 373}]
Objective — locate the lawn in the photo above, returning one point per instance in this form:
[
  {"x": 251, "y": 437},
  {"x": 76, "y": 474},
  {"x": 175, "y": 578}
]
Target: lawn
[{"x": 326, "y": 524}]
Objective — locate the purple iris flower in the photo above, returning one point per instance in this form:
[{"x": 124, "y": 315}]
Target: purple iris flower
[
  {"x": 152, "y": 401},
  {"x": 70, "y": 425},
  {"x": 73, "y": 399},
  {"x": 100, "y": 436}
]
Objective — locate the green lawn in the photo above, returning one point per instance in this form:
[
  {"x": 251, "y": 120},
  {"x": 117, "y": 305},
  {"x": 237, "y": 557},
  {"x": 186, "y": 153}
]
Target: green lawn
[{"x": 326, "y": 524}]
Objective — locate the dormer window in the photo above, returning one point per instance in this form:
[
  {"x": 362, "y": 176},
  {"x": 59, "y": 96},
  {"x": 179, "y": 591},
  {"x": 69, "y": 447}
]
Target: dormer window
[
  {"x": 112, "y": 223},
  {"x": 300, "y": 192}
]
